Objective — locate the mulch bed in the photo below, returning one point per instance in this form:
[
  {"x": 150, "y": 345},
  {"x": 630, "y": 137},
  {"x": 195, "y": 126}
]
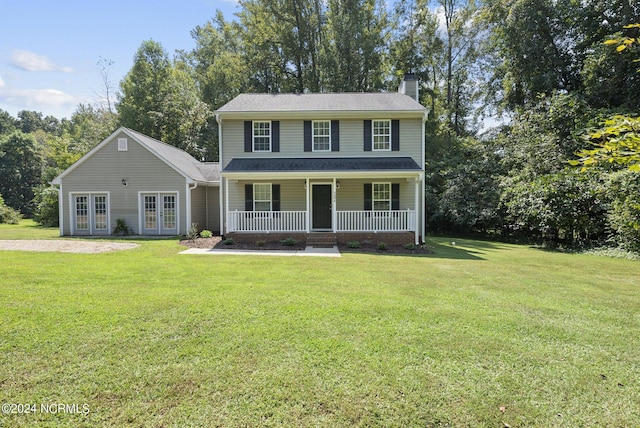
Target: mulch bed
[{"x": 217, "y": 243}]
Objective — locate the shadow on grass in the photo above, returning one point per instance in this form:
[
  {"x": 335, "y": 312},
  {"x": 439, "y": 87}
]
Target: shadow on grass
[
  {"x": 461, "y": 249},
  {"x": 445, "y": 248}
]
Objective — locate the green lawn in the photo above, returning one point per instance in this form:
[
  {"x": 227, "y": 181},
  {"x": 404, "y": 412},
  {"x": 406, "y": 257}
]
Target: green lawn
[{"x": 147, "y": 337}]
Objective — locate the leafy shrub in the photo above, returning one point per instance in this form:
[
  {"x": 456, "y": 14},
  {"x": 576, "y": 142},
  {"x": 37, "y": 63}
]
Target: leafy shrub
[
  {"x": 7, "y": 214},
  {"x": 289, "y": 242},
  {"x": 121, "y": 228},
  {"x": 206, "y": 234},
  {"x": 192, "y": 233},
  {"x": 261, "y": 243},
  {"x": 229, "y": 241},
  {"x": 410, "y": 246},
  {"x": 382, "y": 246},
  {"x": 353, "y": 244},
  {"x": 46, "y": 206},
  {"x": 624, "y": 215}
]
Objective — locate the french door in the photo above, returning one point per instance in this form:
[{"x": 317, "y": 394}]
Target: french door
[
  {"x": 159, "y": 213},
  {"x": 90, "y": 214}
]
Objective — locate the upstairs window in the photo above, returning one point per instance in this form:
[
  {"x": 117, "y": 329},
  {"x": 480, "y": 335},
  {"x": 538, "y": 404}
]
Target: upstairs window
[
  {"x": 381, "y": 135},
  {"x": 122, "y": 144},
  {"x": 321, "y": 135},
  {"x": 261, "y": 136}
]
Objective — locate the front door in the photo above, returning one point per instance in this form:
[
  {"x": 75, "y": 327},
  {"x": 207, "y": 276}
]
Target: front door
[
  {"x": 321, "y": 201},
  {"x": 159, "y": 214}
]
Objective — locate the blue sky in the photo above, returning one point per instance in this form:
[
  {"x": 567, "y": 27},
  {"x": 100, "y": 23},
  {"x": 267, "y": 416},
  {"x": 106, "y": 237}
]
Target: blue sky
[{"x": 49, "y": 49}]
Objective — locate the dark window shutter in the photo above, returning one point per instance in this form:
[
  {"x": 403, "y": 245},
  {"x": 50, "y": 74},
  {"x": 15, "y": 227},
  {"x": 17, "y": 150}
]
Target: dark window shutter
[
  {"x": 368, "y": 195},
  {"x": 248, "y": 136},
  {"x": 335, "y": 135},
  {"x": 248, "y": 197},
  {"x": 395, "y": 196},
  {"x": 367, "y": 135},
  {"x": 275, "y": 136},
  {"x": 275, "y": 197},
  {"x": 395, "y": 135},
  {"x": 307, "y": 136}
]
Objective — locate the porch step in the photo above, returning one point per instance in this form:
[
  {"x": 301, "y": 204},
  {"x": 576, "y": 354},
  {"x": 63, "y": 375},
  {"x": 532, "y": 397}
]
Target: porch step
[{"x": 321, "y": 240}]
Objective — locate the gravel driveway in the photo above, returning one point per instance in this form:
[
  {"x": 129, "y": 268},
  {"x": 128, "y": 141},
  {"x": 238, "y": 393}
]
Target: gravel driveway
[{"x": 65, "y": 245}]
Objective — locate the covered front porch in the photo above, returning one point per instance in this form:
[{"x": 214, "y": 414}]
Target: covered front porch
[{"x": 390, "y": 203}]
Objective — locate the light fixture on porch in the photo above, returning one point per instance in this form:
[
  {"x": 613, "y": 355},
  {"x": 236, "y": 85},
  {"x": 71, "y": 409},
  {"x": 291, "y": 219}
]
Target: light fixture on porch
[
  {"x": 305, "y": 184},
  {"x": 125, "y": 182},
  {"x": 337, "y": 184}
]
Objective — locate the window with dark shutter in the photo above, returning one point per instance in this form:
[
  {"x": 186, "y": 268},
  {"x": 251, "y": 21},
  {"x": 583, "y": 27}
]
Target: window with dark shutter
[
  {"x": 248, "y": 196},
  {"x": 275, "y": 136},
  {"x": 367, "y": 135},
  {"x": 335, "y": 135},
  {"x": 275, "y": 197},
  {"x": 248, "y": 136},
  {"x": 395, "y": 135},
  {"x": 307, "y": 136},
  {"x": 395, "y": 196},
  {"x": 368, "y": 203}
]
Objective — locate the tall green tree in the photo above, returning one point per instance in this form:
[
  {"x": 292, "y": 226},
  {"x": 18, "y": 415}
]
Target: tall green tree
[
  {"x": 355, "y": 53},
  {"x": 160, "y": 99},
  {"x": 21, "y": 165}
]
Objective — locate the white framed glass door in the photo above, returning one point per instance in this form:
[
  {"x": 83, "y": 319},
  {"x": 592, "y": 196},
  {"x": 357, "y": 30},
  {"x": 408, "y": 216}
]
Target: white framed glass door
[{"x": 159, "y": 213}]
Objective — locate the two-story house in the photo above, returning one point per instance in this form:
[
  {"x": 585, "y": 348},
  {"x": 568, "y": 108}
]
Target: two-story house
[{"x": 351, "y": 164}]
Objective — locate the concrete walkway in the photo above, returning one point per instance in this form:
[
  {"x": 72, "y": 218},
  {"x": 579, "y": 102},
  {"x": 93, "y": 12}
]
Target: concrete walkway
[{"x": 307, "y": 252}]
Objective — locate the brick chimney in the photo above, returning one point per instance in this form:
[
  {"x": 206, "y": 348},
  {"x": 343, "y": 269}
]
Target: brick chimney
[{"x": 409, "y": 86}]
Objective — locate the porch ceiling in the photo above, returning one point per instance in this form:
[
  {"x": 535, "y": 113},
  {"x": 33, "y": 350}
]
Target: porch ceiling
[{"x": 404, "y": 166}]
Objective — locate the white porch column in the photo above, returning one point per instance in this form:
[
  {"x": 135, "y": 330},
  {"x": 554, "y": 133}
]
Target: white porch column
[
  {"x": 334, "y": 213},
  {"x": 416, "y": 184},
  {"x": 226, "y": 207},
  {"x": 423, "y": 214},
  {"x": 307, "y": 188}
]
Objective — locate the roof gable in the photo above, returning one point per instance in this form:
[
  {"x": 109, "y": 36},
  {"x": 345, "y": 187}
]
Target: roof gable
[{"x": 179, "y": 160}]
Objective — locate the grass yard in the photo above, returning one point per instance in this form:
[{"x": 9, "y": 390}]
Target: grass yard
[{"x": 477, "y": 334}]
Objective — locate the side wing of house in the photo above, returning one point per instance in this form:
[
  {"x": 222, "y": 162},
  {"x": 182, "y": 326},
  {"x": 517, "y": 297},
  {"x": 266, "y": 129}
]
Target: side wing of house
[{"x": 123, "y": 179}]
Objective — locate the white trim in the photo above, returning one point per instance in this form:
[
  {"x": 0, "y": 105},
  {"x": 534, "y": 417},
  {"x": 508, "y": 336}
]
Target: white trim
[
  {"x": 123, "y": 145},
  {"x": 226, "y": 207},
  {"x": 373, "y": 192},
  {"x": 60, "y": 211},
  {"x": 307, "y": 188},
  {"x": 253, "y": 136},
  {"x": 373, "y": 135},
  {"x": 159, "y": 221},
  {"x": 253, "y": 196},
  {"x": 313, "y": 135},
  {"x": 90, "y": 212}
]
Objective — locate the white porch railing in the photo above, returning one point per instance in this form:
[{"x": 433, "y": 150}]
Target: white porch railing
[
  {"x": 346, "y": 221},
  {"x": 381, "y": 221},
  {"x": 267, "y": 221}
]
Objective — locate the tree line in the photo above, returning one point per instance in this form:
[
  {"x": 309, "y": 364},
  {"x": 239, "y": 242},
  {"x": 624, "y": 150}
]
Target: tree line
[{"x": 548, "y": 70}]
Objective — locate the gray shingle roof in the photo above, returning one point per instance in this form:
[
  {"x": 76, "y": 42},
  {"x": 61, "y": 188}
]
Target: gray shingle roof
[
  {"x": 322, "y": 164},
  {"x": 181, "y": 160},
  {"x": 379, "y": 101}
]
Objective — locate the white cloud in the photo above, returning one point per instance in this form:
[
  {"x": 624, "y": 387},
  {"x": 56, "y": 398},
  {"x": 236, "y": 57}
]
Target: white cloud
[
  {"x": 30, "y": 61},
  {"x": 1, "y": 83},
  {"x": 33, "y": 98}
]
